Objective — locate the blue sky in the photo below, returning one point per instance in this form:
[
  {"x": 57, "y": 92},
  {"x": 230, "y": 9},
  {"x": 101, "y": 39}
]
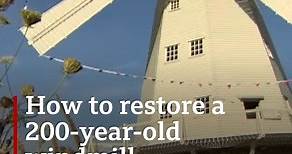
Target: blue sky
[{"x": 116, "y": 39}]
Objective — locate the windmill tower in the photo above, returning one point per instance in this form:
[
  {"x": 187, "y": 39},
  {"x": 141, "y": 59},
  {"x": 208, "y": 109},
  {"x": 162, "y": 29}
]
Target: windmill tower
[{"x": 224, "y": 48}]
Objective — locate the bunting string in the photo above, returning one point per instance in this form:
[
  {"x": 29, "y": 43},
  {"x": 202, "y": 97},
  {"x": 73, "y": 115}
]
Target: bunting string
[{"x": 110, "y": 72}]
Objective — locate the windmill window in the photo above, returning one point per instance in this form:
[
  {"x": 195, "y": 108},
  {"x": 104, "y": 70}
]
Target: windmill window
[
  {"x": 250, "y": 105},
  {"x": 206, "y": 101},
  {"x": 172, "y": 53},
  {"x": 174, "y": 5},
  {"x": 167, "y": 115},
  {"x": 197, "y": 47}
]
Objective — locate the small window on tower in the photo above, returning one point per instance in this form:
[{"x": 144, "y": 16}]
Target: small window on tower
[
  {"x": 206, "y": 101},
  {"x": 172, "y": 53},
  {"x": 197, "y": 47},
  {"x": 166, "y": 115},
  {"x": 174, "y": 5},
  {"x": 250, "y": 105}
]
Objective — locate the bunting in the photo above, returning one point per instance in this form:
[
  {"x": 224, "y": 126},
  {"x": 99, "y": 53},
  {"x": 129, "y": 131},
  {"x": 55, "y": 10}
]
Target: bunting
[{"x": 167, "y": 81}]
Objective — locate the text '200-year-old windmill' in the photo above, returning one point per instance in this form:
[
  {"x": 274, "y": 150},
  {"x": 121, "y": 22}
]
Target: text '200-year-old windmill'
[{"x": 211, "y": 42}]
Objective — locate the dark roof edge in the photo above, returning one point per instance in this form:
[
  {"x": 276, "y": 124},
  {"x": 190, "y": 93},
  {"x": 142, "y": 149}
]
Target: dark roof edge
[
  {"x": 268, "y": 40},
  {"x": 156, "y": 24}
]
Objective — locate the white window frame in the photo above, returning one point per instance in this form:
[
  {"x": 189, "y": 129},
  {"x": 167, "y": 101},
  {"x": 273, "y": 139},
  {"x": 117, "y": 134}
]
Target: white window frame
[
  {"x": 197, "y": 47},
  {"x": 174, "y": 5},
  {"x": 172, "y": 55},
  {"x": 207, "y": 104},
  {"x": 166, "y": 115}
]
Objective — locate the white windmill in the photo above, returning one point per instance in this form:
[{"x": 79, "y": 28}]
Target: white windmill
[
  {"x": 221, "y": 45},
  {"x": 224, "y": 49}
]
